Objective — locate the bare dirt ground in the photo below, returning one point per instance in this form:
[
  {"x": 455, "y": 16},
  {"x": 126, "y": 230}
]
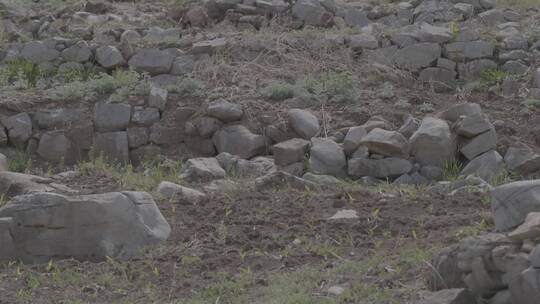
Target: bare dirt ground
[{"x": 244, "y": 246}]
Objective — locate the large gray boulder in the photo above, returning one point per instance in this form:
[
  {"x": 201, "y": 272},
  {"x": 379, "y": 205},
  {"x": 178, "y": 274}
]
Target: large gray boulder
[
  {"x": 463, "y": 109},
  {"x": 113, "y": 146},
  {"x": 526, "y": 288},
  {"x": 327, "y": 157},
  {"x": 480, "y": 144},
  {"x": 312, "y": 12},
  {"x": 238, "y": 140},
  {"x": 37, "y": 52},
  {"x": 461, "y": 51},
  {"x": 380, "y": 168},
  {"x": 522, "y": 160},
  {"x": 352, "y": 139},
  {"x": 152, "y": 61},
  {"x": 202, "y": 170},
  {"x": 417, "y": 56},
  {"x": 224, "y": 110},
  {"x": 510, "y": 203},
  {"x": 111, "y": 116},
  {"x": 55, "y": 147},
  {"x": 19, "y": 128},
  {"x": 109, "y": 57},
  {"x": 486, "y": 166},
  {"x": 433, "y": 144},
  {"x": 46, "y": 226},
  {"x": 290, "y": 151},
  {"x": 13, "y": 184},
  {"x": 79, "y": 52},
  {"x": 303, "y": 123},
  {"x": 388, "y": 143}
]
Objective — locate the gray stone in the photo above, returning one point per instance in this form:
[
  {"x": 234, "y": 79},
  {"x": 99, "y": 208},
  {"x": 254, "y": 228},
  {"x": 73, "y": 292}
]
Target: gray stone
[
  {"x": 312, "y": 12},
  {"x": 178, "y": 193},
  {"x": 529, "y": 230},
  {"x": 534, "y": 257},
  {"x": 19, "y": 128},
  {"x": 536, "y": 79},
  {"x": 480, "y": 144},
  {"x": 433, "y": 144},
  {"x": 303, "y": 123},
  {"x": 256, "y": 167},
  {"x": 492, "y": 17},
  {"x": 501, "y": 297},
  {"x": 481, "y": 281},
  {"x": 486, "y": 166},
  {"x": 445, "y": 273},
  {"x": 55, "y": 147},
  {"x": 474, "y": 69},
  {"x": 344, "y": 215},
  {"x": 145, "y": 116},
  {"x": 450, "y": 296},
  {"x": 202, "y": 170},
  {"x": 238, "y": 140},
  {"x": 464, "y": 109},
  {"x": 290, "y": 151},
  {"x": 113, "y": 146},
  {"x": 515, "y": 43},
  {"x": 323, "y": 180},
  {"x": 109, "y": 57},
  {"x": 89, "y": 227},
  {"x": 510, "y": 203},
  {"x": 58, "y": 118},
  {"x": 353, "y": 138},
  {"x": 382, "y": 168},
  {"x": 388, "y": 143},
  {"x": 13, "y": 184},
  {"x": 37, "y": 52},
  {"x": 410, "y": 125},
  {"x": 111, "y": 116},
  {"x": 411, "y": 179},
  {"x": 526, "y": 288},
  {"x": 431, "y": 33},
  {"x": 515, "y": 67},
  {"x": 441, "y": 79},
  {"x": 446, "y": 64},
  {"x": 354, "y": 17},
  {"x": 79, "y": 52},
  {"x": 280, "y": 179},
  {"x": 137, "y": 136},
  {"x": 522, "y": 160},
  {"x": 472, "y": 125},
  {"x": 361, "y": 152},
  {"x": 417, "y": 56},
  {"x": 207, "y": 126},
  {"x": 4, "y": 163},
  {"x": 151, "y": 61},
  {"x": 432, "y": 173},
  {"x": 158, "y": 98},
  {"x": 183, "y": 65},
  {"x": 327, "y": 157},
  {"x": 209, "y": 46},
  {"x": 461, "y": 51},
  {"x": 162, "y": 134},
  {"x": 362, "y": 41},
  {"x": 224, "y": 110}
]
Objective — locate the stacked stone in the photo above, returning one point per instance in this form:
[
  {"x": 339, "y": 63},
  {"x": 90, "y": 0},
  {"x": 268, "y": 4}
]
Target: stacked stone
[{"x": 501, "y": 267}]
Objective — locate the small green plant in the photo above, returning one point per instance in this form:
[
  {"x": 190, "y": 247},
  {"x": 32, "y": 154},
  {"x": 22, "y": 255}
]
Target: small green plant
[
  {"x": 491, "y": 76},
  {"x": 452, "y": 170},
  {"x": 20, "y": 162},
  {"x": 187, "y": 87},
  {"x": 454, "y": 28},
  {"x": 279, "y": 91}
]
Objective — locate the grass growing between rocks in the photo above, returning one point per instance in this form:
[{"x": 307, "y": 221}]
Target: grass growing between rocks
[{"x": 145, "y": 177}]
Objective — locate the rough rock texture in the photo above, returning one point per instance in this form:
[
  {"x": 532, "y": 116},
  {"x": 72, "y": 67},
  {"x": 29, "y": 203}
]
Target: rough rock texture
[
  {"x": 510, "y": 203},
  {"x": 379, "y": 168},
  {"x": 327, "y": 157},
  {"x": 303, "y": 123},
  {"x": 433, "y": 144},
  {"x": 202, "y": 170},
  {"x": 238, "y": 140},
  {"x": 13, "y": 184},
  {"x": 388, "y": 143},
  {"x": 45, "y": 226},
  {"x": 178, "y": 193}
]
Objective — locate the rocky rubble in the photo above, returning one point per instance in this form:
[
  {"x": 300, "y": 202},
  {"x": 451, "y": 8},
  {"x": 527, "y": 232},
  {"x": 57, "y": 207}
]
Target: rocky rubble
[{"x": 499, "y": 267}]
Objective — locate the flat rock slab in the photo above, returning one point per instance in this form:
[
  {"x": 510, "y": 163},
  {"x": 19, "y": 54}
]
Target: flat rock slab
[{"x": 48, "y": 226}]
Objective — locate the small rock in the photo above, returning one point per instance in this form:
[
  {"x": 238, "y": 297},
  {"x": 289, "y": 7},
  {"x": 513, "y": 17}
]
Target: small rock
[
  {"x": 202, "y": 170},
  {"x": 172, "y": 191},
  {"x": 304, "y": 123},
  {"x": 224, "y": 110}
]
